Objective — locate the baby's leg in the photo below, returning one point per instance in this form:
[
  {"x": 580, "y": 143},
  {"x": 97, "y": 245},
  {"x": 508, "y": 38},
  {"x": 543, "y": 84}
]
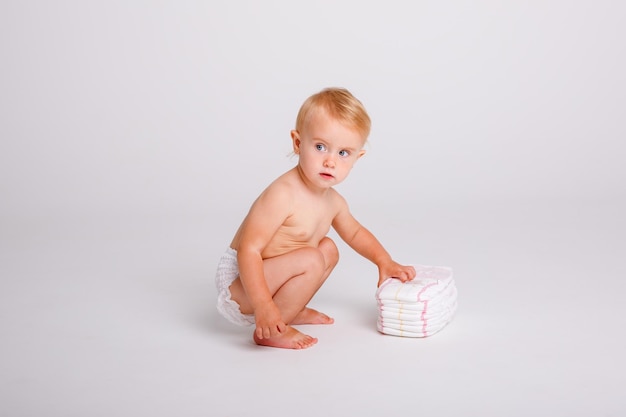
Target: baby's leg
[
  {"x": 331, "y": 257},
  {"x": 294, "y": 294},
  {"x": 293, "y": 279}
]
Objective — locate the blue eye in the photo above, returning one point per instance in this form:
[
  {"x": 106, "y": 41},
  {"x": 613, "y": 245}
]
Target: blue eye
[
  {"x": 320, "y": 147},
  {"x": 344, "y": 153}
]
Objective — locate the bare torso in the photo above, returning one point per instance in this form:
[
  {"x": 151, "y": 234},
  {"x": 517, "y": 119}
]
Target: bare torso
[{"x": 309, "y": 220}]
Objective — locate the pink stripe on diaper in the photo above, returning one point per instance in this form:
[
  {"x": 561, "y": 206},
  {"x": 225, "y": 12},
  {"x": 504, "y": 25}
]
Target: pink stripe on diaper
[
  {"x": 425, "y": 311},
  {"x": 424, "y": 289},
  {"x": 384, "y": 284},
  {"x": 424, "y": 318}
]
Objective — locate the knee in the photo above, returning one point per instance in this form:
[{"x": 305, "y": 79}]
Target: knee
[
  {"x": 314, "y": 262},
  {"x": 329, "y": 250}
]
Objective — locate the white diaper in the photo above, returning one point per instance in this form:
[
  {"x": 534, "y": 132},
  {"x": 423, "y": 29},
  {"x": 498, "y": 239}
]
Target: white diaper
[
  {"x": 227, "y": 272},
  {"x": 420, "y": 307}
]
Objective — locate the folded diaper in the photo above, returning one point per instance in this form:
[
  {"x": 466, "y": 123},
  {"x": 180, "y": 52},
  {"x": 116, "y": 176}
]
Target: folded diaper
[
  {"x": 417, "y": 308},
  {"x": 422, "y": 317},
  {"x": 429, "y": 282},
  {"x": 424, "y": 324},
  {"x": 447, "y": 295},
  {"x": 404, "y": 333}
]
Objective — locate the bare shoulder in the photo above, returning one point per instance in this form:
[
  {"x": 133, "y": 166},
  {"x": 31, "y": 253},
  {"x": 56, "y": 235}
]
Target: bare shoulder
[
  {"x": 337, "y": 201},
  {"x": 278, "y": 197}
]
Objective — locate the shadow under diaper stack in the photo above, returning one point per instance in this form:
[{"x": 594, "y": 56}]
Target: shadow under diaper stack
[{"x": 417, "y": 308}]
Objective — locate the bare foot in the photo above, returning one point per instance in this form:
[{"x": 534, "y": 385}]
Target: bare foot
[
  {"x": 289, "y": 339},
  {"x": 310, "y": 316}
]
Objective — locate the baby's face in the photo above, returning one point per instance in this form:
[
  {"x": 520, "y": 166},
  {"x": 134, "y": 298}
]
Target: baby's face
[{"x": 327, "y": 149}]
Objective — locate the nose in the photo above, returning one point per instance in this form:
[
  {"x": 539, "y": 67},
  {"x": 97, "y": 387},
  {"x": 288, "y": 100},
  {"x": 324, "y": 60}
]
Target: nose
[{"x": 329, "y": 162}]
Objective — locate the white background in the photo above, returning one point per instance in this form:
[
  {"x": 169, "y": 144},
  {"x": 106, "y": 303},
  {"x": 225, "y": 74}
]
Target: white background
[{"x": 134, "y": 136}]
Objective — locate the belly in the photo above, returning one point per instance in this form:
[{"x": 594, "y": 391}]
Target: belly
[
  {"x": 273, "y": 250},
  {"x": 281, "y": 245}
]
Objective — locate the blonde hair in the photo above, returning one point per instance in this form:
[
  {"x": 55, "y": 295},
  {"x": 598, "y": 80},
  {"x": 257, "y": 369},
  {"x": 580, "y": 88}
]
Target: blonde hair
[{"x": 341, "y": 105}]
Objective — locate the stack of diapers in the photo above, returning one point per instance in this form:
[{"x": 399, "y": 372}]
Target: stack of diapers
[{"x": 417, "y": 308}]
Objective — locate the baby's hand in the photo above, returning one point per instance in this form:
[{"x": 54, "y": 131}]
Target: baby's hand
[
  {"x": 269, "y": 322},
  {"x": 392, "y": 269}
]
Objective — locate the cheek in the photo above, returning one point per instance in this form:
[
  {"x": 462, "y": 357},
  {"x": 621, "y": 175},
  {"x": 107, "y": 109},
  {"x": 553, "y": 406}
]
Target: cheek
[
  {"x": 347, "y": 166},
  {"x": 308, "y": 158}
]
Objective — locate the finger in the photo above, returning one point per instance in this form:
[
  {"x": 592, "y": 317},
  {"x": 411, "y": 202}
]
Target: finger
[
  {"x": 259, "y": 332},
  {"x": 281, "y": 327},
  {"x": 267, "y": 333},
  {"x": 276, "y": 330}
]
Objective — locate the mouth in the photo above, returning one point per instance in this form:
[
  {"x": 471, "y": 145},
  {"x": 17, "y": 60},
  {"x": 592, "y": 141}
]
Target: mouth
[{"x": 326, "y": 175}]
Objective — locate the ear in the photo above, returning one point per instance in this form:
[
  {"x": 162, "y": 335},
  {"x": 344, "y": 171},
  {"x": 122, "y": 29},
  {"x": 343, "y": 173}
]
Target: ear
[
  {"x": 361, "y": 153},
  {"x": 295, "y": 137}
]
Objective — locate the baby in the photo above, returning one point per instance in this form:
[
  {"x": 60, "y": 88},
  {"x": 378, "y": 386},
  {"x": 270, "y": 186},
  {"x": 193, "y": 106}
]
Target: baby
[{"x": 281, "y": 256}]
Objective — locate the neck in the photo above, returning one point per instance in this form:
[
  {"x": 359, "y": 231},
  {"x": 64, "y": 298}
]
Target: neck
[{"x": 308, "y": 184}]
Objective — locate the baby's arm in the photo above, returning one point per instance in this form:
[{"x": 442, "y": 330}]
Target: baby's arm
[
  {"x": 365, "y": 243},
  {"x": 265, "y": 217}
]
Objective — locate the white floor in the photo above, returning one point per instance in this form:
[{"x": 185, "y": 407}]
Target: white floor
[{"x": 116, "y": 317}]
